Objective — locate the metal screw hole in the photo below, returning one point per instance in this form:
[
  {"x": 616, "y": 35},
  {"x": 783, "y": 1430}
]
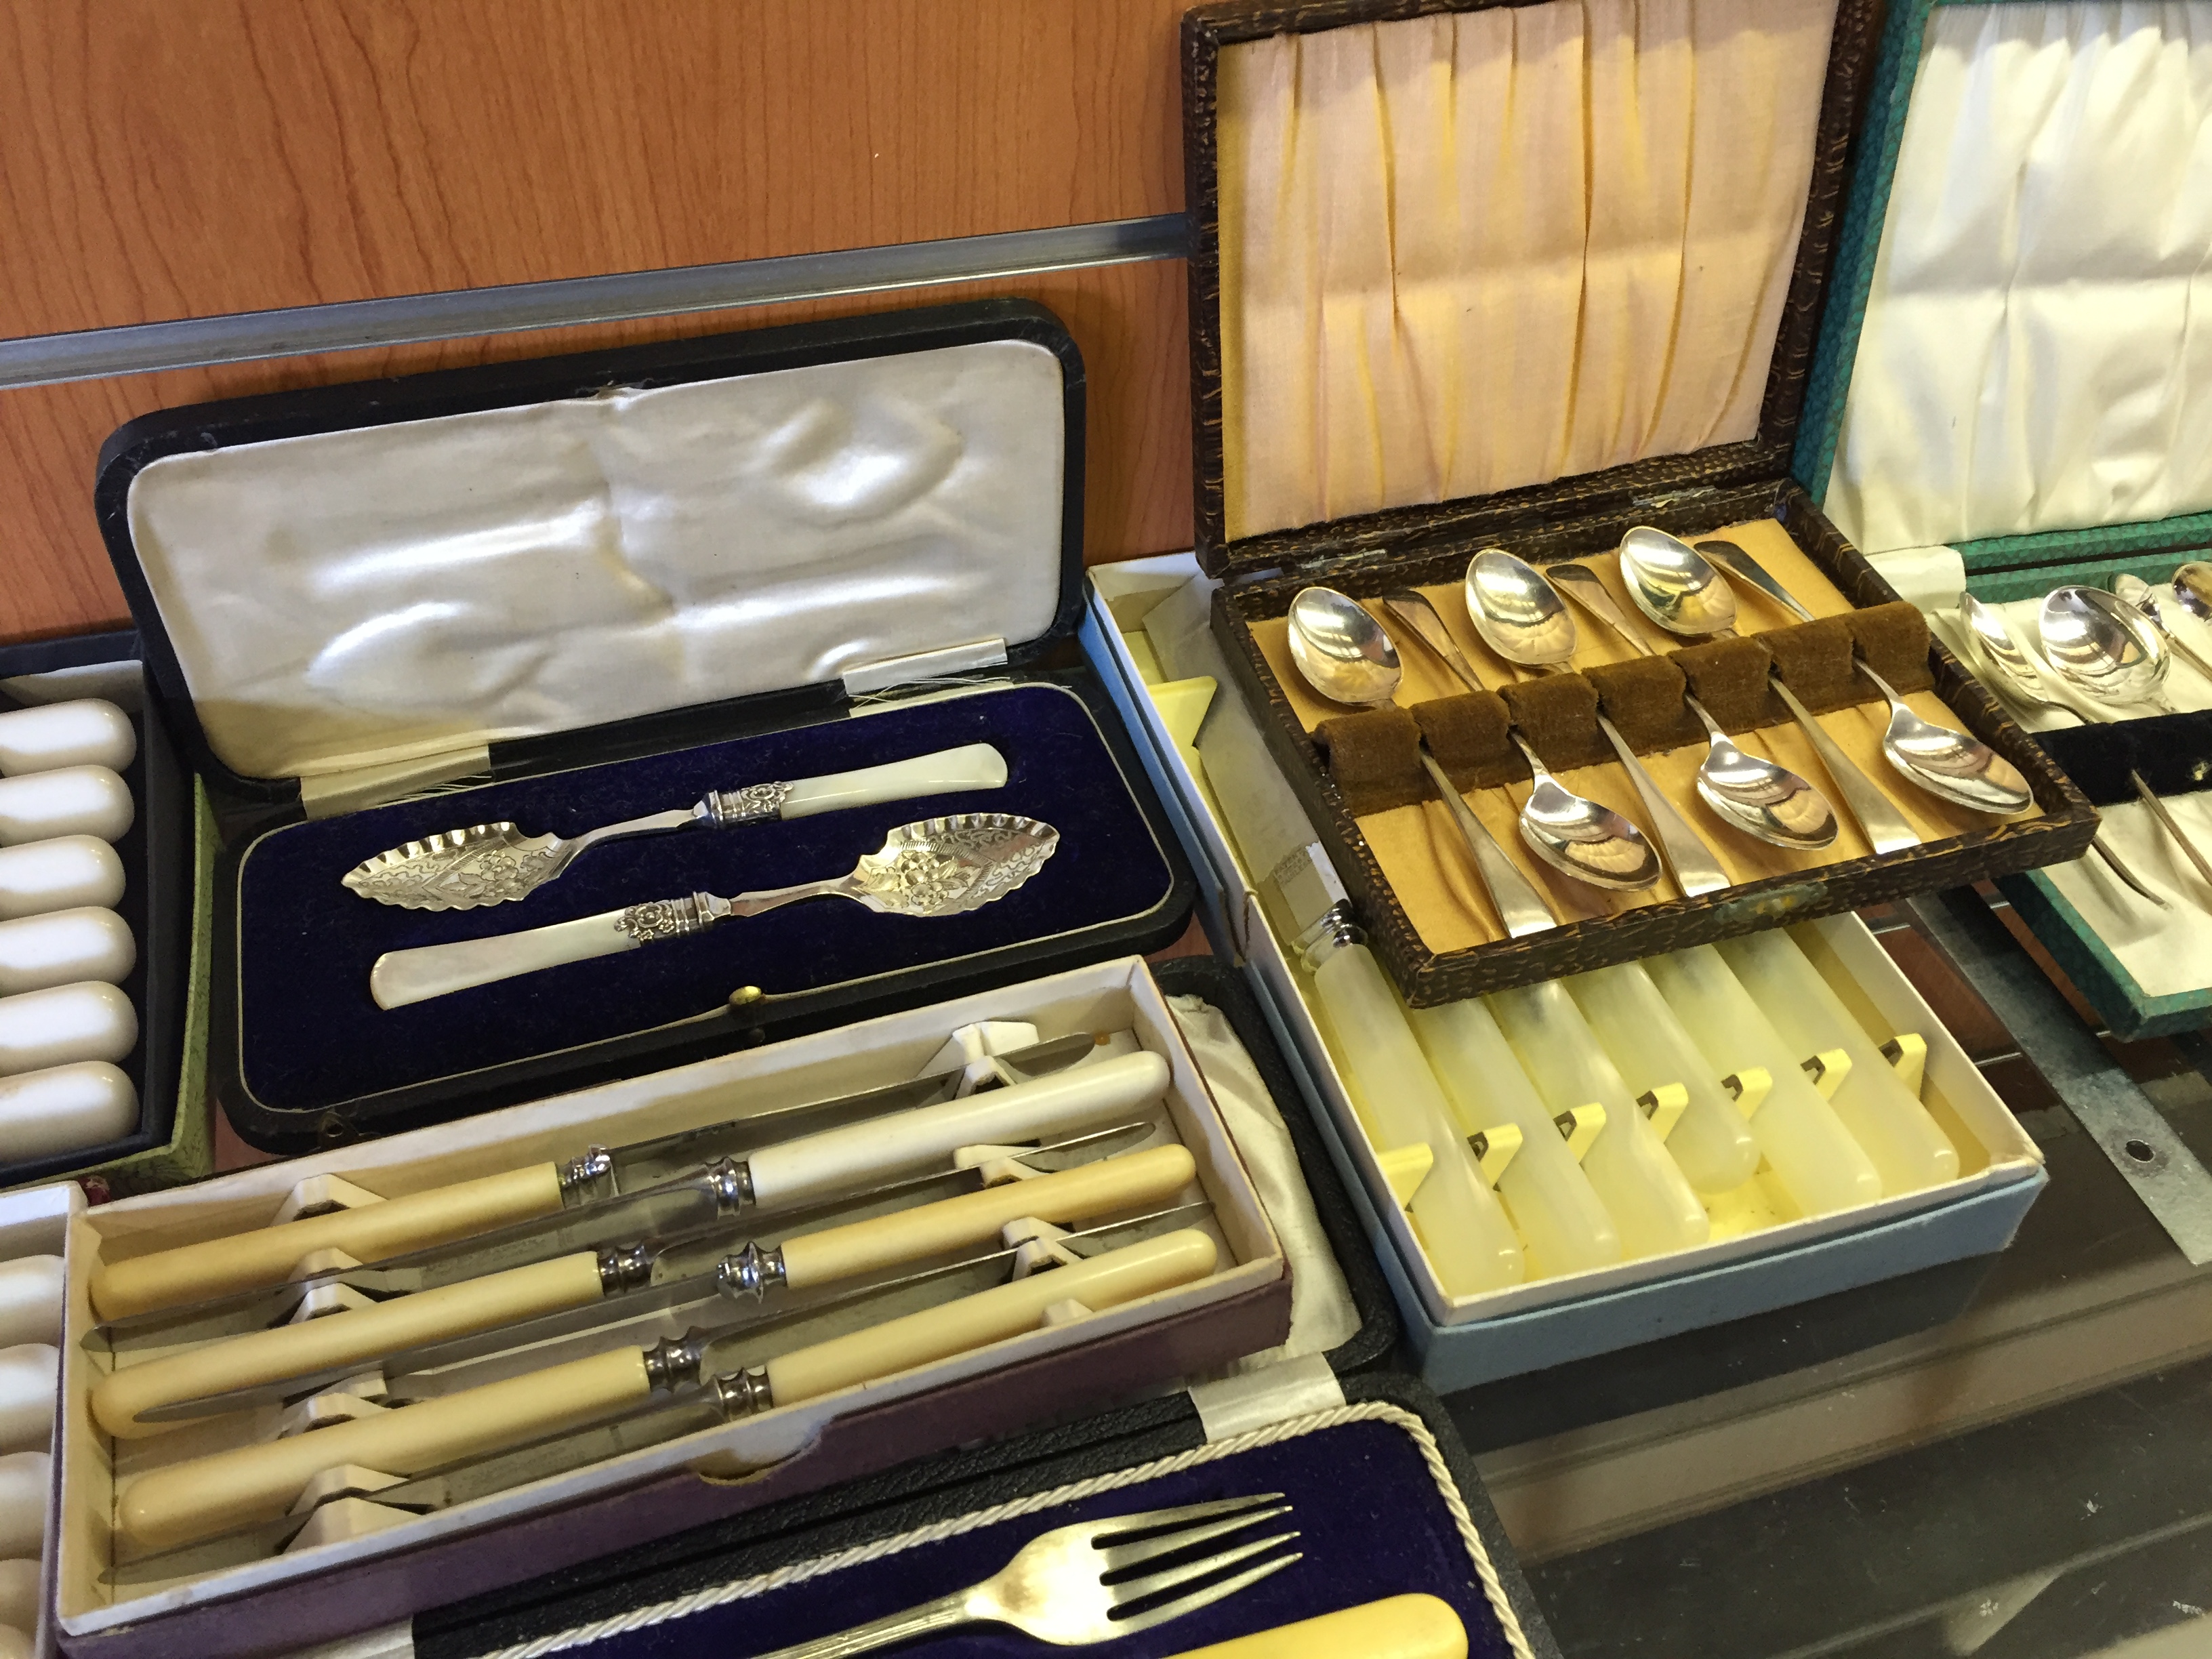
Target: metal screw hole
[{"x": 2140, "y": 1151}]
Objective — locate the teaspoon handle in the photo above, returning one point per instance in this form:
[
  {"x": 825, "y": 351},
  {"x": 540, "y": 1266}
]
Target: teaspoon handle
[
  {"x": 1885, "y": 826},
  {"x": 2165, "y": 822},
  {"x": 1689, "y": 861},
  {"x": 1520, "y": 906}
]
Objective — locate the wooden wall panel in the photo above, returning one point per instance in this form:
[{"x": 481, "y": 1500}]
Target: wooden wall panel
[
  {"x": 162, "y": 160},
  {"x": 55, "y": 577}
]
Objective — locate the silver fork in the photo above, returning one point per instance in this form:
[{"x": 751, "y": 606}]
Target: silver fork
[{"x": 1054, "y": 1589}]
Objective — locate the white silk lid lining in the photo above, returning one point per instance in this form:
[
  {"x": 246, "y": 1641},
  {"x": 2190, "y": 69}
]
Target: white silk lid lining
[
  {"x": 373, "y": 596},
  {"x": 2037, "y": 350}
]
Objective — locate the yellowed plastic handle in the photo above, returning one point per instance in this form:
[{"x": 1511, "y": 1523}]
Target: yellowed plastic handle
[
  {"x": 253, "y": 1485},
  {"x": 373, "y": 1232},
  {"x": 1400, "y": 1627},
  {"x": 1101, "y": 1189},
  {"x": 919, "y": 1339},
  {"x": 360, "y": 1335}
]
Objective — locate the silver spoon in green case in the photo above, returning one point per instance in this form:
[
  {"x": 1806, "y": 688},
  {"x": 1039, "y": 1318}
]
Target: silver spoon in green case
[
  {"x": 937, "y": 867},
  {"x": 2139, "y": 595},
  {"x": 1348, "y": 657}
]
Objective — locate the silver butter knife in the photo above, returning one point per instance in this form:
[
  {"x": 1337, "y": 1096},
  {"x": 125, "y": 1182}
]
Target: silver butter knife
[
  {"x": 494, "y": 863},
  {"x": 937, "y": 867}
]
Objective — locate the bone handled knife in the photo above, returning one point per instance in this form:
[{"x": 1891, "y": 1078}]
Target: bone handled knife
[
  {"x": 772, "y": 1177},
  {"x": 494, "y": 863},
  {"x": 295, "y": 1358},
  {"x": 252, "y": 1485}
]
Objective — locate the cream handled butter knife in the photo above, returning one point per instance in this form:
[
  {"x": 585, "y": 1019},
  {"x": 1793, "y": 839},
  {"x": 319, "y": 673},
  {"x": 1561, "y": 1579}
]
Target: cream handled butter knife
[
  {"x": 937, "y": 867},
  {"x": 791, "y": 1172},
  {"x": 294, "y": 1358},
  {"x": 254, "y": 1485},
  {"x": 493, "y": 863}
]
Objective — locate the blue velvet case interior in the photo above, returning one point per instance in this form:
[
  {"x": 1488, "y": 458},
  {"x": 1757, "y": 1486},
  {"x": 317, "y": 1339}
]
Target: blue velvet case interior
[
  {"x": 1373, "y": 1521},
  {"x": 310, "y": 1036}
]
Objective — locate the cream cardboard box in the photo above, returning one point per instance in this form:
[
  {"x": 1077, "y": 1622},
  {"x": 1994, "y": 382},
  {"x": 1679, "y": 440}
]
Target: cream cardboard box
[
  {"x": 1153, "y": 612},
  {"x": 351, "y": 1583},
  {"x": 35, "y": 1221}
]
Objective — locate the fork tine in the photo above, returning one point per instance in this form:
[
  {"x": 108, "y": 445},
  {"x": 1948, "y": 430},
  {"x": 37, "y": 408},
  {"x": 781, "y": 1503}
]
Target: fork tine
[
  {"x": 1148, "y": 1520},
  {"x": 1205, "y": 1597},
  {"x": 1136, "y": 1589},
  {"x": 1119, "y": 1557}
]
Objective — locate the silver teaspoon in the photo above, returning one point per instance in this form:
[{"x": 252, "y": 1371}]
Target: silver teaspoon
[
  {"x": 1576, "y": 836},
  {"x": 1948, "y": 763},
  {"x": 2135, "y": 591},
  {"x": 2106, "y": 647},
  {"x": 1768, "y": 802},
  {"x": 1348, "y": 657},
  {"x": 1344, "y": 652},
  {"x": 1521, "y": 618}
]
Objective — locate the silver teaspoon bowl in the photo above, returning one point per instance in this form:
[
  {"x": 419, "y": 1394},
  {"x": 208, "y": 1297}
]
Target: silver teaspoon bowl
[
  {"x": 1582, "y": 839},
  {"x": 1343, "y": 652},
  {"x": 1517, "y": 611},
  {"x": 1768, "y": 802},
  {"x": 2107, "y": 648},
  {"x": 1675, "y": 585}
]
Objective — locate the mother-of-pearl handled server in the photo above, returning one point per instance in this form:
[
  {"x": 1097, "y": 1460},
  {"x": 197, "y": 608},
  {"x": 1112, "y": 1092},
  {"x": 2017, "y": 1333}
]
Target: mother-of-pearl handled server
[
  {"x": 75, "y": 800},
  {"x": 1398, "y": 1628},
  {"x": 83, "y": 731},
  {"x": 359, "y": 1336},
  {"x": 793, "y": 1172},
  {"x": 58, "y": 875},
  {"x": 252, "y": 1485}
]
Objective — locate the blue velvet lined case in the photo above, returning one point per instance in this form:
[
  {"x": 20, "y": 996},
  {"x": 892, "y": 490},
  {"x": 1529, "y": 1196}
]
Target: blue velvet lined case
[{"x": 302, "y": 1057}]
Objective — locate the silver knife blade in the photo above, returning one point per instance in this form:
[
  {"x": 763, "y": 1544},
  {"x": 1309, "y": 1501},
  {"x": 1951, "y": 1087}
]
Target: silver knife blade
[
  {"x": 684, "y": 1273},
  {"x": 643, "y": 1208}
]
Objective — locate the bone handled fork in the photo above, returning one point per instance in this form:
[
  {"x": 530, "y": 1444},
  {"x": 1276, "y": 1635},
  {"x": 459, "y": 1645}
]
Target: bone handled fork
[{"x": 1054, "y": 1589}]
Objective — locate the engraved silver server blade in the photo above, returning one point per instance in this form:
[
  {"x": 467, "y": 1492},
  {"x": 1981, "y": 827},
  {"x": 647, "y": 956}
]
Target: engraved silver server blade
[
  {"x": 494, "y": 863},
  {"x": 935, "y": 867}
]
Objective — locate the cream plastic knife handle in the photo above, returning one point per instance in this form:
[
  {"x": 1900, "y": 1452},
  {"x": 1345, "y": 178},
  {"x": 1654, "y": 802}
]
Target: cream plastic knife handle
[
  {"x": 357, "y": 1335},
  {"x": 1885, "y": 826},
  {"x": 991, "y": 1315},
  {"x": 1100, "y": 1188},
  {"x": 251, "y": 1260},
  {"x": 250, "y": 1486},
  {"x": 978, "y": 766},
  {"x": 401, "y": 977},
  {"x": 820, "y": 1164},
  {"x": 1397, "y": 1627},
  {"x": 362, "y": 1335}
]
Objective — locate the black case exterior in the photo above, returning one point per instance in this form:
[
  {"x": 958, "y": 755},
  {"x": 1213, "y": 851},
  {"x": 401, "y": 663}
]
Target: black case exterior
[
  {"x": 157, "y": 904},
  {"x": 246, "y": 806},
  {"x": 952, "y": 1484}
]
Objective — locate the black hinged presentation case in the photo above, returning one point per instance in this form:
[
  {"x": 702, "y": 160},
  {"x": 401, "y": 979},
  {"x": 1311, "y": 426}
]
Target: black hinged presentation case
[
  {"x": 570, "y": 591},
  {"x": 1371, "y": 1485}
]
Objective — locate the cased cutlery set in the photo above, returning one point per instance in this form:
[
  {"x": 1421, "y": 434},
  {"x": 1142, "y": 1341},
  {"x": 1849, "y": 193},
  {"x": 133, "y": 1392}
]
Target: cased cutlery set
[
  {"x": 1519, "y": 610},
  {"x": 935, "y": 867},
  {"x": 457, "y": 1341}
]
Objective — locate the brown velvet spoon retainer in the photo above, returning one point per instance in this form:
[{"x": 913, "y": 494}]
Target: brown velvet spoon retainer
[
  {"x": 1894, "y": 639},
  {"x": 1558, "y": 715},
  {"x": 1467, "y": 736},
  {"x": 1815, "y": 660},
  {"x": 1375, "y": 759},
  {"x": 1728, "y": 677},
  {"x": 1642, "y": 698}
]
